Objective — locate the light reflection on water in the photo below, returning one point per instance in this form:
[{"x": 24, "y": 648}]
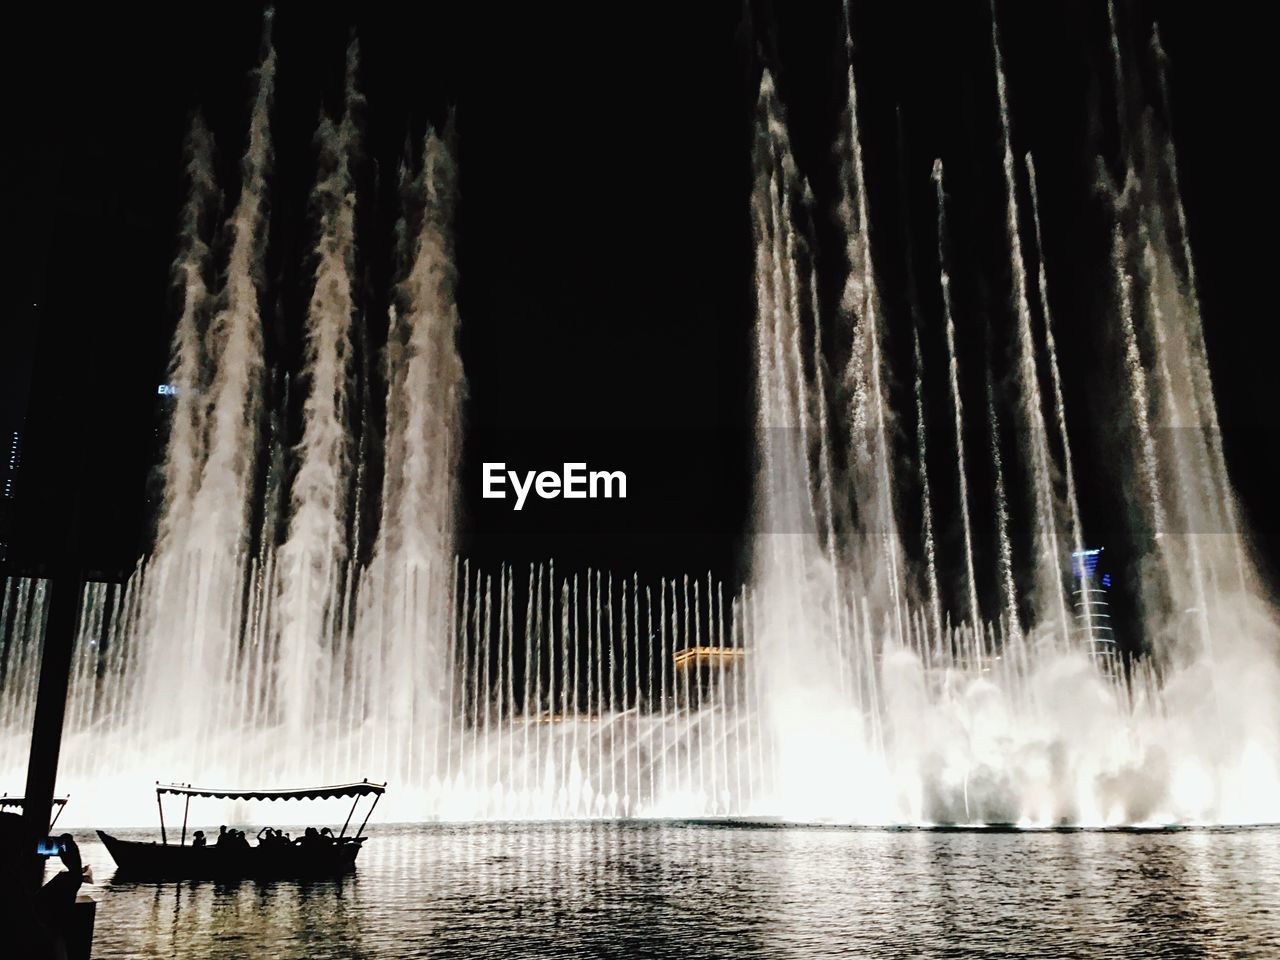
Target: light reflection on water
[{"x": 599, "y": 889}]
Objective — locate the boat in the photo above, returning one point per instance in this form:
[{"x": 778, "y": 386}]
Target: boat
[{"x": 314, "y": 855}]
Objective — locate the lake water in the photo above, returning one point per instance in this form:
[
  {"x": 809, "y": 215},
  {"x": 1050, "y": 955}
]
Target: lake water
[{"x": 689, "y": 891}]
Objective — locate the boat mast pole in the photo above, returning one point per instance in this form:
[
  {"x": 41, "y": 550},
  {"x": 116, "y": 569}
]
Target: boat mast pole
[
  {"x": 160, "y": 806},
  {"x": 350, "y": 814},
  {"x": 376, "y": 798},
  {"x": 185, "y": 808}
]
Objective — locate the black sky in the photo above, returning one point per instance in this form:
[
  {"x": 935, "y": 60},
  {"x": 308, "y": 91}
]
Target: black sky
[{"x": 605, "y": 249}]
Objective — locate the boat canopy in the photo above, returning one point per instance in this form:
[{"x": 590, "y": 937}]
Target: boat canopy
[
  {"x": 362, "y": 789},
  {"x": 59, "y": 804},
  {"x": 8, "y": 801}
]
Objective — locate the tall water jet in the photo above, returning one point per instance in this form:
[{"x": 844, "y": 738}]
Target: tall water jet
[
  {"x": 953, "y": 369},
  {"x": 1051, "y": 348},
  {"x": 221, "y": 509},
  {"x": 790, "y": 564},
  {"x": 1208, "y": 628},
  {"x": 1198, "y": 358},
  {"x": 1004, "y": 548},
  {"x": 1049, "y": 555},
  {"x": 926, "y": 500},
  {"x": 408, "y": 608},
  {"x": 311, "y": 562},
  {"x": 188, "y": 364},
  {"x": 198, "y": 581},
  {"x": 871, "y": 455}
]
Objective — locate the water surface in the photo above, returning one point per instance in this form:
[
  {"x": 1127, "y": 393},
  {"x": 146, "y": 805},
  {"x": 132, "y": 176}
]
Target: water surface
[{"x": 687, "y": 891}]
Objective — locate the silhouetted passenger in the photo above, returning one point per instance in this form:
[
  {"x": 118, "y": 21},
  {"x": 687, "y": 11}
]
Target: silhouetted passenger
[
  {"x": 270, "y": 837},
  {"x": 33, "y": 921},
  {"x": 224, "y": 838},
  {"x": 198, "y": 839}
]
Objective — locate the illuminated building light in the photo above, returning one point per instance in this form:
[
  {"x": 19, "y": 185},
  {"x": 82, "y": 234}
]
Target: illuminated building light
[
  {"x": 1091, "y": 606},
  {"x": 708, "y": 655}
]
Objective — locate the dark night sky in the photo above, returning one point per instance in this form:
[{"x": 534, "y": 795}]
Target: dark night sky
[{"x": 605, "y": 248}]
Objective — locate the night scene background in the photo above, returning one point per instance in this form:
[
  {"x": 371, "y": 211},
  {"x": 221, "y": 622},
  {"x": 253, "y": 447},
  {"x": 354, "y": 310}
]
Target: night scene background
[
  {"x": 605, "y": 242},
  {"x": 630, "y": 189}
]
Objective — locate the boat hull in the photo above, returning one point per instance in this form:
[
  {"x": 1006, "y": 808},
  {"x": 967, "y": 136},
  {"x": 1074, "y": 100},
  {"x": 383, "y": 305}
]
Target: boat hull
[{"x": 148, "y": 860}]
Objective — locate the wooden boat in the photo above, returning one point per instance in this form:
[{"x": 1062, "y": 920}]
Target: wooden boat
[{"x": 310, "y": 856}]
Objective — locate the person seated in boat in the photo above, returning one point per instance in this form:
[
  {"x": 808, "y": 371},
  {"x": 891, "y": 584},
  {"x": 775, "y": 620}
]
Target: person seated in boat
[
  {"x": 311, "y": 838},
  {"x": 198, "y": 839},
  {"x": 327, "y": 835},
  {"x": 240, "y": 841},
  {"x": 270, "y": 837},
  {"x": 224, "y": 838}
]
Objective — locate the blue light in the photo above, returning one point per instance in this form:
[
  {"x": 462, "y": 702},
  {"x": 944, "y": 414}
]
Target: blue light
[{"x": 1085, "y": 562}]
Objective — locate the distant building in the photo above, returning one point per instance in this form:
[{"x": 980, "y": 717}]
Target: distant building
[
  {"x": 1091, "y": 582},
  {"x": 699, "y": 671},
  {"x": 8, "y": 489},
  {"x": 13, "y": 460}
]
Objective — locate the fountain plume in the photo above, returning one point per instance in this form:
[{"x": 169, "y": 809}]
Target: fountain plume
[
  {"x": 312, "y": 559},
  {"x": 221, "y": 508},
  {"x": 187, "y": 370},
  {"x": 818, "y": 692}
]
